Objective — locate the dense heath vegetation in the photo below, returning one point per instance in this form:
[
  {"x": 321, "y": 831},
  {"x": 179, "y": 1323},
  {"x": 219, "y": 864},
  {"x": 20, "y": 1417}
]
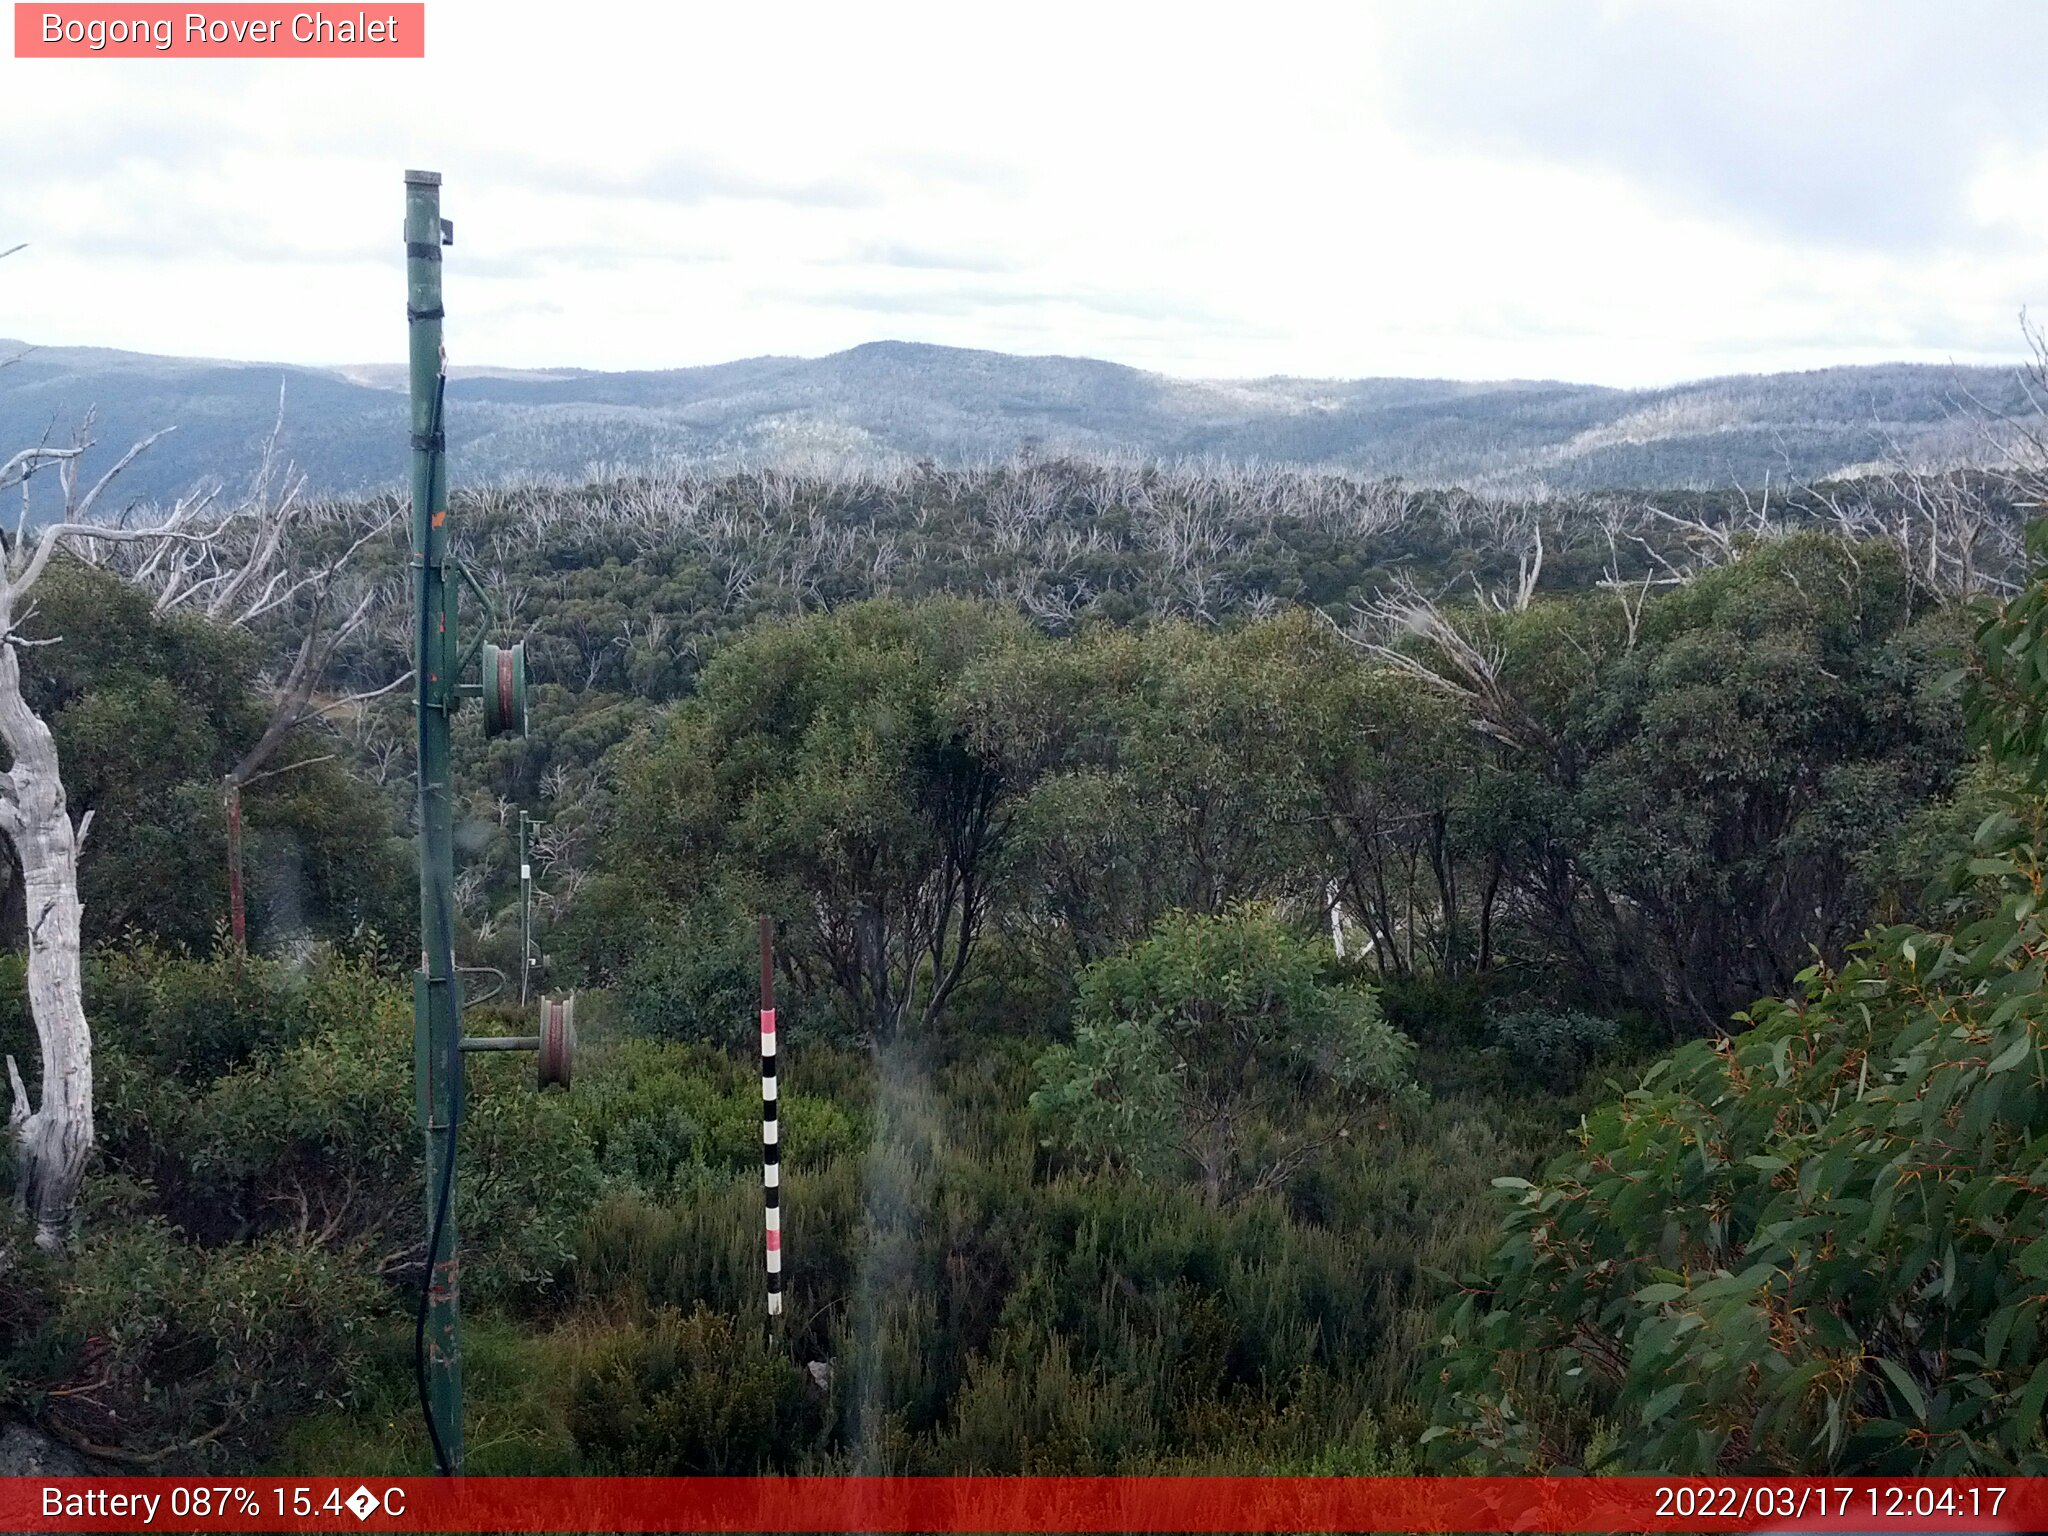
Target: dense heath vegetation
[{"x": 1278, "y": 974}]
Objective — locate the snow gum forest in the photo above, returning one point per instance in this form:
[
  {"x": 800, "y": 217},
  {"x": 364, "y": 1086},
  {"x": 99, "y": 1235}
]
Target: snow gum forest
[{"x": 1278, "y": 972}]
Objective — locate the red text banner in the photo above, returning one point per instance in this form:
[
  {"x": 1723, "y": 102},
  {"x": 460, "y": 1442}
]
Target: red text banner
[
  {"x": 1021, "y": 1504},
  {"x": 230, "y": 31}
]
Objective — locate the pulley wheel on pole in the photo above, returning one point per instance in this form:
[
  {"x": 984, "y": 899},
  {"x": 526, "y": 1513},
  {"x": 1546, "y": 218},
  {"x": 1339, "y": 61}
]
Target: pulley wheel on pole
[
  {"x": 557, "y": 1053},
  {"x": 504, "y": 689}
]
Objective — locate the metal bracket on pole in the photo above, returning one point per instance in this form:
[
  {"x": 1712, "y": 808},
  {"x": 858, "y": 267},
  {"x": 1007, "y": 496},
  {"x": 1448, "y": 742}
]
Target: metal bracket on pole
[{"x": 554, "y": 1047}]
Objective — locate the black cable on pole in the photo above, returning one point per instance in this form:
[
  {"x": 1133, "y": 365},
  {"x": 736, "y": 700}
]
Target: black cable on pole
[
  {"x": 419, "y": 1332},
  {"x": 444, "y": 942}
]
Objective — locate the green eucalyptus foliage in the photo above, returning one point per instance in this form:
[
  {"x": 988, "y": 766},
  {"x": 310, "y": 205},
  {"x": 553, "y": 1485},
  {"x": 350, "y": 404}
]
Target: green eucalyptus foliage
[
  {"x": 1218, "y": 1044},
  {"x": 307, "y": 1127},
  {"x": 149, "y": 714},
  {"x": 1694, "y": 804},
  {"x": 1664, "y": 810},
  {"x": 1167, "y": 767},
  {"x": 823, "y": 774},
  {"x": 1047, "y": 832},
  {"x": 1821, "y": 1245},
  {"x": 2008, "y": 698},
  {"x": 1557, "y": 1046},
  {"x": 694, "y": 978},
  {"x": 192, "y": 1020}
]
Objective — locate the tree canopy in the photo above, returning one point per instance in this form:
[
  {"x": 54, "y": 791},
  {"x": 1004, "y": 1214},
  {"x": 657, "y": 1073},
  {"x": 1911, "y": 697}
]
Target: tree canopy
[
  {"x": 1221, "y": 1044},
  {"x": 1823, "y": 1242}
]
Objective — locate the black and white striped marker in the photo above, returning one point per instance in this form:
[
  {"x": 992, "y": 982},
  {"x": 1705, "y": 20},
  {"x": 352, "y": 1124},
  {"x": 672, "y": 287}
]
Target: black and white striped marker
[{"x": 771, "y": 1133}]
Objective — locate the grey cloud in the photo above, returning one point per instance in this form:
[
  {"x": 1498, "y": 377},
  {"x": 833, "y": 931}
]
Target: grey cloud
[
  {"x": 960, "y": 170},
  {"x": 1838, "y": 124},
  {"x": 924, "y": 301},
  {"x": 545, "y": 261},
  {"x": 154, "y": 221},
  {"x": 155, "y": 134},
  {"x": 689, "y": 182},
  {"x": 968, "y": 299},
  {"x": 89, "y": 146},
  {"x": 923, "y": 259}
]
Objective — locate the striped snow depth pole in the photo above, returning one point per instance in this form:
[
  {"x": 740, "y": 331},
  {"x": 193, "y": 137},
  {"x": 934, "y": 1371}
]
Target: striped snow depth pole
[{"x": 771, "y": 1130}]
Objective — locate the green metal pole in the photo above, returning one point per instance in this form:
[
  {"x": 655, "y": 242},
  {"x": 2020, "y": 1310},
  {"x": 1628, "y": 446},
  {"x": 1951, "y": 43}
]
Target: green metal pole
[{"x": 437, "y": 1010}]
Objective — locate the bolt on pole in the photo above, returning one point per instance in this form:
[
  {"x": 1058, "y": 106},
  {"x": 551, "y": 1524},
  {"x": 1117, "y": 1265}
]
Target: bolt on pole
[{"x": 437, "y": 1004}]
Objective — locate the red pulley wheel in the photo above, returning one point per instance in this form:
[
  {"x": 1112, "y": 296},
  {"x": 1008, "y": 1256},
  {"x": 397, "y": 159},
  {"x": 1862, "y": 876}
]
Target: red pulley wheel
[
  {"x": 504, "y": 690},
  {"x": 557, "y": 1052}
]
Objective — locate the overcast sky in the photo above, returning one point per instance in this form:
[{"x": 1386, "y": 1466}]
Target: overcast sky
[{"x": 1620, "y": 193}]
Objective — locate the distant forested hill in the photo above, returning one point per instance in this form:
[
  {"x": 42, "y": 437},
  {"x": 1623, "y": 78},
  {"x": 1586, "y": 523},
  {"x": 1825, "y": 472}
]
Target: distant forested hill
[{"x": 892, "y": 401}]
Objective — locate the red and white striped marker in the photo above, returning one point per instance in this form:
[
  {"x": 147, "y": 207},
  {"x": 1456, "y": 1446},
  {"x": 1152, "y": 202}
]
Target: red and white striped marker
[{"x": 771, "y": 1132}]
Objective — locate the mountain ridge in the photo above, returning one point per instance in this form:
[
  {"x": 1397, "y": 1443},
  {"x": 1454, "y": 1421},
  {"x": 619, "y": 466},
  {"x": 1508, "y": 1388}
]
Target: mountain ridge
[{"x": 890, "y": 401}]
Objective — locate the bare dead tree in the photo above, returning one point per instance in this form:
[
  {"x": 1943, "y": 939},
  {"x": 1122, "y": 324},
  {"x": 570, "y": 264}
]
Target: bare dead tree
[
  {"x": 255, "y": 569},
  {"x": 1529, "y": 563},
  {"x": 469, "y": 890},
  {"x": 1019, "y": 506},
  {"x": 53, "y": 1138},
  {"x": 1952, "y": 537},
  {"x": 377, "y": 747},
  {"x": 1057, "y": 607},
  {"x": 1448, "y": 660},
  {"x": 2026, "y": 455}
]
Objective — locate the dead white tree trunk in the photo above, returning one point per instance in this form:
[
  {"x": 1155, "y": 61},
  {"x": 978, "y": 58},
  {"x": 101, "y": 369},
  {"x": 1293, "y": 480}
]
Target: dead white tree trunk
[{"x": 53, "y": 1138}]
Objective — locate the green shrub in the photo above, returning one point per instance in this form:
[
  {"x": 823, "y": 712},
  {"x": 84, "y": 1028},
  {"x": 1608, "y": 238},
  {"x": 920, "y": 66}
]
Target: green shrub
[
  {"x": 669, "y": 1119},
  {"x": 695, "y": 1394},
  {"x": 192, "y": 1019},
  {"x": 637, "y": 1254},
  {"x": 515, "y": 1390},
  {"x": 1804, "y": 1249},
  {"x": 697, "y": 979},
  {"x": 1556, "y": 1047},
  {"x": 1218, "y": 1044},
  {"x": 175, "y": 1345},
  {"x": 17, "y": 1027},
  {"x": 1432, "y": 1011},
  {"x": 1033, "y": 1412},
  {"x": 312, "y": 1130}
]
